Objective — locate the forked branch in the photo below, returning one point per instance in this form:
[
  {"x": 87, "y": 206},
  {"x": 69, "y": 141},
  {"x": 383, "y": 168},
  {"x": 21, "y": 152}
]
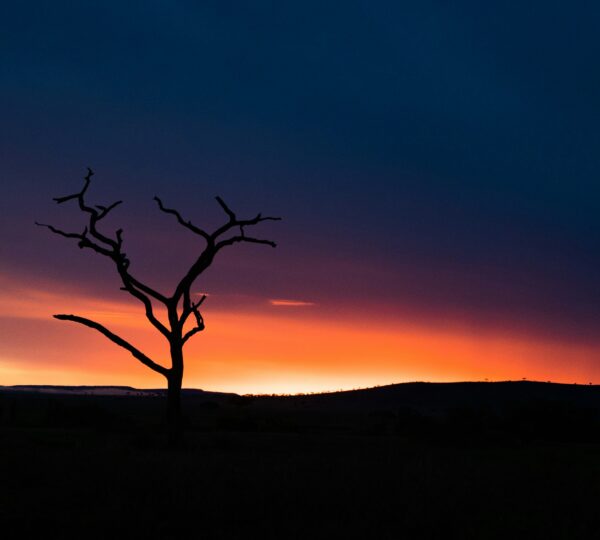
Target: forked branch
[
  {"x": 234, "y": 222},
  {"x": 93, "y": 239},
  {"x": 193, "y": 308},
  {"x": 232, "y": 232},
  {"x": 215, "y": 242}
]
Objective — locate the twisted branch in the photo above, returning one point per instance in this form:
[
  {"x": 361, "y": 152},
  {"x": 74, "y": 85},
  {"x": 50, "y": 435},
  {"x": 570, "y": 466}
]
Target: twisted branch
[{"x": 93, "y": 239}]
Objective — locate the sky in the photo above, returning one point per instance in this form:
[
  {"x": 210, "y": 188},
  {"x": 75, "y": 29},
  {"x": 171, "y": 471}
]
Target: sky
[{"x": 435, "y": 165}]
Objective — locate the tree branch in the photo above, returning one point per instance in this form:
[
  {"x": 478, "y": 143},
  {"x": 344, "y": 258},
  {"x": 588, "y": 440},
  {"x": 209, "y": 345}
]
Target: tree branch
[
  {"x": 87, "y": 178},
  {"x": 104, "y": 210},
  {"x": 187, "y": 224},
  {"x": 136, "y": 353},
  {"x": 95, "y": 215},
  {"x": 111, "y": 248},
  {"x": 192, "y": 332},
  {"x": 193, "y": 308},
  {"x": 130, "y": 284},
  {"x": 84, "y": 241},
  {"x": 130, "y": 287},
  {"x": 242, "y": 238},
  {"x": 234, "y": 222},
  {"x": 55, "y": 230},
  {"x": 226, "y": 208},
  {"x": 206, "y": 257}
]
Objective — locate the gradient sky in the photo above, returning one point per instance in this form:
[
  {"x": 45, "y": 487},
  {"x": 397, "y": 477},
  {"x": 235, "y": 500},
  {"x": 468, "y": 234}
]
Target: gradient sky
[{"x": 436, "y": 165}]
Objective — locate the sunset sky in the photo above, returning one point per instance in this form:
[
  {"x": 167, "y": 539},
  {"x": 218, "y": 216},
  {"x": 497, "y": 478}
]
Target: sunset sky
[{"x": 436, "y": 166}]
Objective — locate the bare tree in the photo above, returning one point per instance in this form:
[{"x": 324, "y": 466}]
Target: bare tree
[{"x": 180, "y": 305}]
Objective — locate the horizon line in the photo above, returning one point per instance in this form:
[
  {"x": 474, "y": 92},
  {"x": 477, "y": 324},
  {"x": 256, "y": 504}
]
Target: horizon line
[{"x": 274, "y": 394}]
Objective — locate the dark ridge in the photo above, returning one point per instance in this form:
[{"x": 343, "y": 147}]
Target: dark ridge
[
  {"x": 67, "y": 390},
  {"x": 417, "y": 391}
]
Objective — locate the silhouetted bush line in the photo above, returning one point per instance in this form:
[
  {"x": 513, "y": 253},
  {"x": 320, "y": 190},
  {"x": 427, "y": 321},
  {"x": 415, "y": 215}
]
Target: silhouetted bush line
[{"x": 523, "y": 420}]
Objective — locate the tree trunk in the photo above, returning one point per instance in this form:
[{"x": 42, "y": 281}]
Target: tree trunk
[
  {"x": 175, "y": 378},
  {"x": 174, "y": 417}
]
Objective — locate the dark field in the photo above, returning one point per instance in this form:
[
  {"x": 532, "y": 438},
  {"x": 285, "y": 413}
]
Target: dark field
[{"x": 473, "y": 460}]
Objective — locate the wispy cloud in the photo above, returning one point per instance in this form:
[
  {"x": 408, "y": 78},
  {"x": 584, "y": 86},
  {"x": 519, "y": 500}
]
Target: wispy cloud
[{"x": 289, "y": 303}]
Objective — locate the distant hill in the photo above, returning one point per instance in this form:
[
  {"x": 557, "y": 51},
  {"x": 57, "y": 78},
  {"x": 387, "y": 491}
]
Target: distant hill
[
  {"x": 432, "y": 398},
  {"x": 425, "y": 397},
  {"x": 422, "y": 411},
  {"x": 101, "y": 390}
]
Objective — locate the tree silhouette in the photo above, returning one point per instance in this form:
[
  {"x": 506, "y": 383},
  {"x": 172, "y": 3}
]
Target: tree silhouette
[{"x": 179, "y": 305}]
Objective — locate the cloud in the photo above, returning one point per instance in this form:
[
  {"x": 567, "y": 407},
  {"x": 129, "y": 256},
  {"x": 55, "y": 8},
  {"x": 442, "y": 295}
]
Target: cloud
[{"x": 289, "y": 303}]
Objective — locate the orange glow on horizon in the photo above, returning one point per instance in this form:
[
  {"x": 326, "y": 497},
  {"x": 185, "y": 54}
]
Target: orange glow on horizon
[{"x": 265, "y": 352}]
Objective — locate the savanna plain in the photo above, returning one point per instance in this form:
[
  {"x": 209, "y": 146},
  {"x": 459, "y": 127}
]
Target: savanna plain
[{"x": 421, "y": 460}]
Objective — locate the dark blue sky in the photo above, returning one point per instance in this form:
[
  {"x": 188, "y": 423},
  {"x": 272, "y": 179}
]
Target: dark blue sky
[{"x": 431, "y": 159}]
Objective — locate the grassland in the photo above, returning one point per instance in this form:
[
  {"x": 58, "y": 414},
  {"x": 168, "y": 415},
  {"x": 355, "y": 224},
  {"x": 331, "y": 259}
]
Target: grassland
[{"x": 422, "y": 461}]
